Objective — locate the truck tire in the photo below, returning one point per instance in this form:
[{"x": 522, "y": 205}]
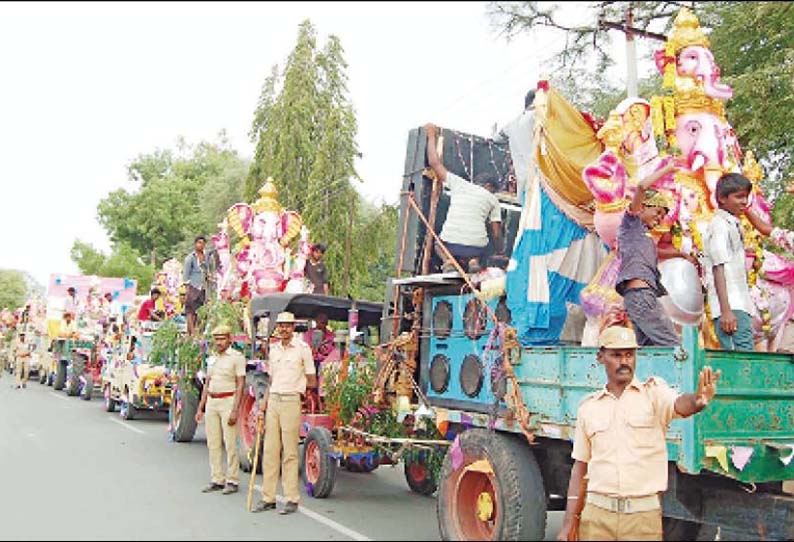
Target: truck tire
[
  {"x": 110, "y": 403},
  {"x": 496, "y": 493},
  {"x": 88, "y": 388},
  {"x": 679, "y": 529},
  {"x": 60, "y": 376},
  {"x": 256, "y": 383},
  {"x": 317, "y": 467},
  {"x": 182, "y": 414},
  {"x": 418, "y": 476},
  {"x": 73, "y": 382},
  {"x": 43, "y": 376}
]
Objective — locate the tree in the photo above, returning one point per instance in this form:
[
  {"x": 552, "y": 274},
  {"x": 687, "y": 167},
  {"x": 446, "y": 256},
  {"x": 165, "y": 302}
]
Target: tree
[
  {"x": 305, "y": 132},
  {"x": 180, "y": 195},
  {"x": 13, "y": 289}
]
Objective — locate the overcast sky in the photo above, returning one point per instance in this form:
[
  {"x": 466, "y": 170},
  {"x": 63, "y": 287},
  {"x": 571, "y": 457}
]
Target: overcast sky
[{"x": 86, "y": 87}]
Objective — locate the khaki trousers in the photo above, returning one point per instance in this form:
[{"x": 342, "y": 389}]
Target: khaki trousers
[
  {"x": 600, "y": 524},
  {"x": 219, "y": 432},
  {"x": 282, "y": 426},
  {"x": 22, "y": 370}
]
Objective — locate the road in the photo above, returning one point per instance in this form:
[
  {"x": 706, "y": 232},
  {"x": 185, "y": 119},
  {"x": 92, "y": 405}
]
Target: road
[{"x": 72, "y": 471}]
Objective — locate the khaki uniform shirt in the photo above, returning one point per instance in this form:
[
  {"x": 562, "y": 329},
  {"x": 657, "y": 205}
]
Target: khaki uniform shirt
[
  {"x": 289, "y": 366},
  {"x": 622, "y": 440},
  {"x": 223, "y": 370}
]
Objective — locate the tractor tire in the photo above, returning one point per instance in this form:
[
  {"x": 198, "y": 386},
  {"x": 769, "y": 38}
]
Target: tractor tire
[
  {"x": 60, "y": 376},
  {"x": 418, "y": 476},
  {"x": 88, "y": 388},
  {"x": 182, "y": 414},
  {"x": 73, "y": 382},
  {"x": 42, "y": 376},
  {"x": 110, "y": 403},
  {"x": 317, "y": 467},
  {"x": 255, "y": 383},
  {"x": 496, "y": 493}
]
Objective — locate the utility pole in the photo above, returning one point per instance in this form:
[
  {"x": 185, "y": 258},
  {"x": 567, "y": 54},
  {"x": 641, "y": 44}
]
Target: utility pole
[{"x": 631, "y": 54}]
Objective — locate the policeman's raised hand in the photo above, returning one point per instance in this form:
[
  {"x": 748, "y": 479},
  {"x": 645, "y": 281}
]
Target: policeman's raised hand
[{"x": 707, "y": 387}]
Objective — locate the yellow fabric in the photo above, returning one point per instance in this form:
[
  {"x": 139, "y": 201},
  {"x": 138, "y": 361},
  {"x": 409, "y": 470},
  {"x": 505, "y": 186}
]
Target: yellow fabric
[
  {"x": 280, "y": 453},
  {"x": 568, "y": 146},
  {"x": 220, "y": 434}
]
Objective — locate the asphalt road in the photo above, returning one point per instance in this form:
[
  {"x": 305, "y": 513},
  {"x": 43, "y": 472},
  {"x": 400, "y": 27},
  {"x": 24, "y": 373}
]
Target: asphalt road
[{"x": 71, "y": 471}]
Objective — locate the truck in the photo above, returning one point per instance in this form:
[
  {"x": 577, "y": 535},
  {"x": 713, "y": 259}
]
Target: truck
[{"x": 509, "y": 410}]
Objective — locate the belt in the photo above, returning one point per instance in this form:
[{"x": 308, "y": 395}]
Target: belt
[
  {"x": 624, "y": 505},
  {"x": 221, "y": 395},
  {"x": 280, "y": 396}
]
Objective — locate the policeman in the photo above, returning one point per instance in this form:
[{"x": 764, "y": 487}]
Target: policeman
[
  {"x": 291, "y": 372},
  {"x": 221, "y": 396},
  {"x": 619, "y": 446},
  {"x": 22, "y": 353}
]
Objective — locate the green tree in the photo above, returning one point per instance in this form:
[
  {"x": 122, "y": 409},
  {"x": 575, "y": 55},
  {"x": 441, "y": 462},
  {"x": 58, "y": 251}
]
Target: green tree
[
  {"x": 179, "y": 195},
  {"x": 13, "y": 289},
  {"x": 305, "y": 131}
]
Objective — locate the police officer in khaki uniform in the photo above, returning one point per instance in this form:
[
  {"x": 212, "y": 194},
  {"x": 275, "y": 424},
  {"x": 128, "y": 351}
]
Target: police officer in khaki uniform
[
  {"x": 619, "y": 445},
  {"x": 291, "y": 372},
  {"x": 221, "y": 396},
  {"x": 22, "y": 353}
]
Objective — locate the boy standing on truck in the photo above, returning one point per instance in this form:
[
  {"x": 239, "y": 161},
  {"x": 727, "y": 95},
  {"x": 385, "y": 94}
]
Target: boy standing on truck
[
  {"x": 619, "y": 446},
  {"x": 639, "y": 280},
  {"x": 471, "y": 205},
  {"x": 726, "y": 274}
]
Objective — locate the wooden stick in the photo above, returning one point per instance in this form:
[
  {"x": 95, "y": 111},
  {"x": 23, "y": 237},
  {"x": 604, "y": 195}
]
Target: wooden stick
[{"x": 260, "y": 426}]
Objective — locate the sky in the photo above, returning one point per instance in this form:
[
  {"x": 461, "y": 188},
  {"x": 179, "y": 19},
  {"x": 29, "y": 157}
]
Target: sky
[{"x": 87, "y": 87}]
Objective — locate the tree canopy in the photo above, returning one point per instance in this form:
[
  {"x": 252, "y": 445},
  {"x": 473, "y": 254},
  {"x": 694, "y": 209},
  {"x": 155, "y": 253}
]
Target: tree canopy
[
  {"x": 305, "y": 131},
  {"x": 13, "y": 289}
]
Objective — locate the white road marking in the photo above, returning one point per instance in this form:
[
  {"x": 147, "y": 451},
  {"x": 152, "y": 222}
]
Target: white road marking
[
  {"x": 127, "y": 426},
  {"x": 338, "y": 527},
  {"x": 59, "y": 396}
]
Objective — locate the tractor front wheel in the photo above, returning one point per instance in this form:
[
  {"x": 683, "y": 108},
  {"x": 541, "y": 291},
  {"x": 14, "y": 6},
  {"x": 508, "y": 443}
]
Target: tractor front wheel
[{"x": 317, "y": 467}]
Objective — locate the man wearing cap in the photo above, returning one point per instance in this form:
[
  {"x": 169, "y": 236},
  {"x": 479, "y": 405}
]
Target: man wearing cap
[
  {"x": 639, "y": 280},
  {"x": 619, "y": 445},
  {"x": 291, "y": 372},
  {"x": 221, "y": 396}
]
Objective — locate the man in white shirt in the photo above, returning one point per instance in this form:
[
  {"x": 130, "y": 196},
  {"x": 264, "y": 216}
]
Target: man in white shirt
[{"x": 471, "y": 204}]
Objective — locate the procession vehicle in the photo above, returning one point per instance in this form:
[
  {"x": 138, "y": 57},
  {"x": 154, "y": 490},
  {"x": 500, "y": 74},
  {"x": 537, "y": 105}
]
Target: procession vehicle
[
  {"x": 503, "y": 360},
  {"x": 328, "y": 442},
  {"x": 133, "y": 381}
]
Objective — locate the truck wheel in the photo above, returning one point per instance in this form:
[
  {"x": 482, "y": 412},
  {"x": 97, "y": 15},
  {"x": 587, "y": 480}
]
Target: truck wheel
[
  {"x": 317, "y": 467},
  {"x": 182, "y": 414},
  {"x": 60, "y": 376},
  {"x": 256, "y": 383},
  {"x": 110, "y": 404},
  {"x": 72, "y": 385},
  {"x": 496, "y": 493},
  {"x": 679, "y": 529},
  {"x": 88, "y": 388},
  {"x": 42, "y": 376},
  {"x": 128, "y": 411},
  {"x": 418, "y": 475}
]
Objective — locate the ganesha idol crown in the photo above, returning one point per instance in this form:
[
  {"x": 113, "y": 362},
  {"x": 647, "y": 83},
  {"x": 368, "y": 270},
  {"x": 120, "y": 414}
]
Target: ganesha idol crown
[
  {"x": 267, "y": 202},
  {"x": 686, "y": 32}
]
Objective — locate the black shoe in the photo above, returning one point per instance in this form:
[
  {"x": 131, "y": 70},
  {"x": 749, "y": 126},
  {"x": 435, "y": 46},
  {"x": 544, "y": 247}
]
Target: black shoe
[
  {"x": 263, "y": 506},
  {"x": 230, "y": 488},
  {"x": 212, "y": 487},
  {"x": 289, "y": 508}
]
